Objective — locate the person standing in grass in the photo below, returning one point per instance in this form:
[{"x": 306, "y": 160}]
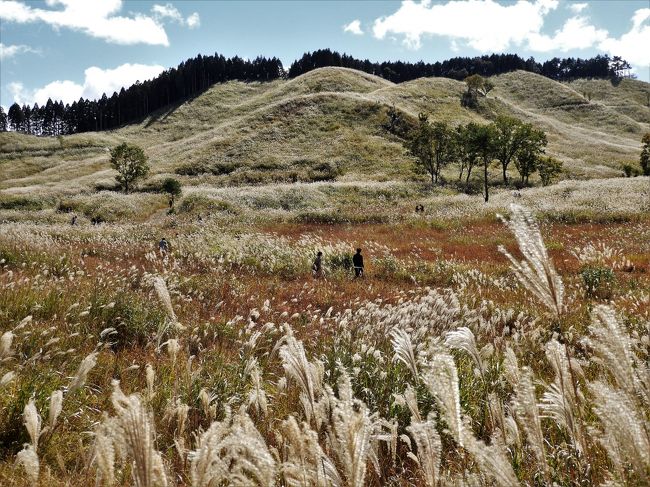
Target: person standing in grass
[
  {"x": 317, "y": 266},
  {"x": 163, "y": 245},
  {"x": 357, "y": 263}
]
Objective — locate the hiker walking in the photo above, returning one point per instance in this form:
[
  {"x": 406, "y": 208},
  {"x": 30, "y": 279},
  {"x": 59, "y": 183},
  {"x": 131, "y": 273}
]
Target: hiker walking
[
  {"x": 357, "y": 263},
  {"x": 163, "y": 246},
  {"x": 317, "y": 266},
  {"x": 73, "y": 222}
]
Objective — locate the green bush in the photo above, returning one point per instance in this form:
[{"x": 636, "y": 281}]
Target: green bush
[
  {"x": 221, "y": 168},
  {"x": 598, "y": 281},
  {"x": 631, "y": 170},
  {"x": 325, "y": 171},
  {"x": 21, "y": 203},
  {"x": 340, "y": 261},
  {"x": 192, "y": 169},
  {"x": 196, "y": 203}
]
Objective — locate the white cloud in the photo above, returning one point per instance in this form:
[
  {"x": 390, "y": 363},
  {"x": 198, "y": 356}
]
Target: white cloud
[
  {"x": 633, "y": 45},
  {"x": 576, "y": 8},
  {"x": 95, "y": 18},
  {"x": 97, "y": 81},
  {"x": 170, "y": 12},
  {"x": 8, "y": 51},
  {"x": 576, "y": 33},
  {"x": 353, "y": 27},
  {"x": 485, "y": 25},
  {"x": 193, "y": 20}
]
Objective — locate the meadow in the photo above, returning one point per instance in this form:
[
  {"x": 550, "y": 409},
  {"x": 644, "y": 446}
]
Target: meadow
[
  {"x": 225, "y": 362},
  {"x": 488, "y": 344}
]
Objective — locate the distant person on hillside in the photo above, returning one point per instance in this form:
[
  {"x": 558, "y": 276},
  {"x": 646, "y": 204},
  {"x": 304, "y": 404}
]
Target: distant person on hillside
[
  {"x": 357, "y": 263},
  {"x": 73, "y": 222},
  {"x": 317, "y": 266},
  {"x": 163, "y": 246}
]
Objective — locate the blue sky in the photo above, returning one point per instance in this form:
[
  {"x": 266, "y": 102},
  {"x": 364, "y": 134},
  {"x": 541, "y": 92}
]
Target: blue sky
[{"x": 65, "y": 49}]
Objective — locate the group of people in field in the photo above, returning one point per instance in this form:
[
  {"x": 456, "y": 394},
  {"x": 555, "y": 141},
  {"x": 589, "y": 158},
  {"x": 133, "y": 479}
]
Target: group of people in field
[
  {"x": 357, "y": 265},
  {"x": 316, "y": 268}
]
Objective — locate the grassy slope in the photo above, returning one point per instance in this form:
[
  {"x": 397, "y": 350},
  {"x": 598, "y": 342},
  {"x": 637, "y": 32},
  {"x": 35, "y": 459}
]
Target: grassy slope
[{"x": 265, "y": 131}]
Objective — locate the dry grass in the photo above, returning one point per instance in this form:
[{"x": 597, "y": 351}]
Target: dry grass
[
  {"x": 268, "y": 133},
  {"x": 226, "y": 362},
  {"x": 227, "y": 355}
]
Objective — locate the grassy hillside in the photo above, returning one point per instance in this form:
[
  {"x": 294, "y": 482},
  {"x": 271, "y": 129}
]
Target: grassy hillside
[{"x": 324, "y": 126}]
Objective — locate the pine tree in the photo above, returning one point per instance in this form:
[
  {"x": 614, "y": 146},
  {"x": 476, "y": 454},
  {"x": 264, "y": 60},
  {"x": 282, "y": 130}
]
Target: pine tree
[{"x": 3, "y": 120}]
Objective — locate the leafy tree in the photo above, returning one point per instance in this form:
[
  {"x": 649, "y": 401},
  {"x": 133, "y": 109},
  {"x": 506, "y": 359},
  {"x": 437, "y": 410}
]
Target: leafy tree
[
  {"x": 529, "y": 154},
  {"x": 395, "y": 123},
  {"x": 477, "y": 86},
  {"x": 444, "y": 147},
  {"x": 130, "y": 162},
  {"x": 465, "y": 151},
  {"x": 510, "y": 135},
  {"x": 3, "y": 120},
  {"x": 173, "y": 188},
  {"x": 645, "y": 154},
  {"x": 620, "y": 67},
  {"x": 549, "y": 169},
  {"x": 482, "y": 143},
  {"x": 420, "y": 145},
  {"x": 16, "y": 117}
]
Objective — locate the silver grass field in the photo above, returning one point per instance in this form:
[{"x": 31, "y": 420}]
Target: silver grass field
[{"x": 509, "y": 375}]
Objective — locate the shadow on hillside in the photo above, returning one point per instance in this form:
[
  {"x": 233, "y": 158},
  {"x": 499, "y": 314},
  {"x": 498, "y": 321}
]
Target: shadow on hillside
[{"x": 162, "y": 114}]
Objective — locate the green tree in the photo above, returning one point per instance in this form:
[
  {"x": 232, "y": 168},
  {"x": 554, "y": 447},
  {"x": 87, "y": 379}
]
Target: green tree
[
  {"x": 645, "y": 154},
  {"x": 478, "y": 84},
  {"x": 510, "y": 136},
  {"x": 173, "y": 188},
  {"x": 420, "y": 146},
  {"x": 466, "y": 153},
  {"x": 3, "y": 120},
  {"x": 444, "y": 147},
  {"x": 549, "y": 169},
  {"x": 527, "y": 157},
  {"x": 482, "y": 142},
  {"x": 130, "y": 162}
]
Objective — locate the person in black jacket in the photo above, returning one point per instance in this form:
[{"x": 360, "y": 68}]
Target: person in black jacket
[
  {"x": 317, "y": 266},
  {"x": 357, "y": 262}
]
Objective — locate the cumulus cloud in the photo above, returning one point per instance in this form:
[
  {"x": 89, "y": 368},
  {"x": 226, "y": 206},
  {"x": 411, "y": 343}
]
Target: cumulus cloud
[
  {"x": 97, "y": 81},
  {"x": 353, "y": 27},
  {"x": 576, "y": 8},
  {"x": 8, "y": 51},
  {"x": 633, "y": 45},
  {"x": 193, "y": 20},
  {"x": 576, "y": 33},
  {"x": 484, "y": 25},
  {"x": 490, "y": 26},
  {"x": 97, "y": 19},
  {"x": 168, "y": 11}
]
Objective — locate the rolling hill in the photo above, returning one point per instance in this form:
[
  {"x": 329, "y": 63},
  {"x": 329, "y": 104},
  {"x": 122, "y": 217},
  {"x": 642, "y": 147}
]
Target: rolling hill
[{"x": 325, "y": 124}]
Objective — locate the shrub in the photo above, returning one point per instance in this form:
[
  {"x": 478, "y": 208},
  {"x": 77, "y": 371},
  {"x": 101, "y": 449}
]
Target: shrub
[
  {"x": 631, "y": 170},
  {"x": 192, "y": 169},
  {"x": 325, "y": 171},
  {"x": 340, "y": 261},
  {"x": 598, "y": 281},
  {"x": 196, "y": 203},
  {"x": 221, "y": 168},
  {"x": 21, "y": 203}
]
